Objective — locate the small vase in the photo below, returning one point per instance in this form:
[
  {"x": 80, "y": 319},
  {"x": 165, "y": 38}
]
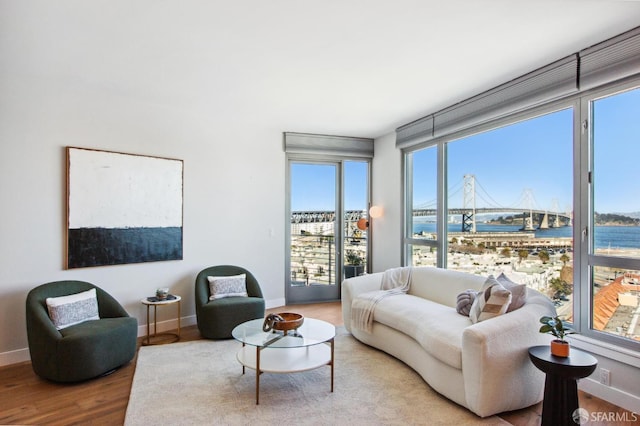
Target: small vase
[
  {"x": 560, "y": 348},
  {"x": 161, "y": 293}
]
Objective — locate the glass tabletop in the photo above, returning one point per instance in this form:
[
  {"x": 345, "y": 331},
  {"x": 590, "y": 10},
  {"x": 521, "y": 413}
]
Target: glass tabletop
[{"x": 311, "y": 332}]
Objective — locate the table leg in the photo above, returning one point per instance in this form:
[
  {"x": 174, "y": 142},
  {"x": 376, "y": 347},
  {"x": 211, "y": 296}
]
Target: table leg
[
  {"x": 560, "y": 401},
  {"x": 148, "y": 334},
  {"x": 257, "y": 375},
  {"x": 243, "y": 364},
  {"x": 332, "y": 363},
  {"x": 155, "y": 319},
  {"x": 179, "y": 319}
]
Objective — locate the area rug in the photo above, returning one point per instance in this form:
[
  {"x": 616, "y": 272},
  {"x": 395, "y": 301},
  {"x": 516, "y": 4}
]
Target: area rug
[{"x": 201, "y": 382}]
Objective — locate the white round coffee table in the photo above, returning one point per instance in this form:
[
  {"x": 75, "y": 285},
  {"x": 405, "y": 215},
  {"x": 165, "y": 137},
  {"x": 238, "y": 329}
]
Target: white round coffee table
[{"x": 310, "y": 346}]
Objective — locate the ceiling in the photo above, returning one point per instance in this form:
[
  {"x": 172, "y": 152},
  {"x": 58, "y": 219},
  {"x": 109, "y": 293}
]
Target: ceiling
[{"x": 341, "y": 67}]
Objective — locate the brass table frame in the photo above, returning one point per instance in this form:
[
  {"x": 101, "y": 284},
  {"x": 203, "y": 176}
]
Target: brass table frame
[{"x": 174, "y": 337}]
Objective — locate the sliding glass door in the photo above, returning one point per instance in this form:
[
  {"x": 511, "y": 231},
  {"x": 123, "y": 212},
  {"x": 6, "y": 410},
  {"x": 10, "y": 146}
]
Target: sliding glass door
[{"x": 326, "y": 200}]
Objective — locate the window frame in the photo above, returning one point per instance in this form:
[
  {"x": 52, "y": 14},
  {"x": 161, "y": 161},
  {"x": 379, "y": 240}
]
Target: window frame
[
  {"x": 584, "y": 189},
  {"x": 339, "y": 162}
]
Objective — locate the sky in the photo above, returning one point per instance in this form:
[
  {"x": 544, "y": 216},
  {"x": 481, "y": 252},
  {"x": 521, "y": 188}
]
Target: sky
[
  {"x": 313, "y": 186},
  {"x": 530, "y": 163},
  {"x": 527, "y": 164}
]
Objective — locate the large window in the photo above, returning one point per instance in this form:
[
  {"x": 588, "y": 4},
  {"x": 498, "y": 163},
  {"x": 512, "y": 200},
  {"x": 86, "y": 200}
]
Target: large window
[
  {"x": 513, "y": 193},
  {"x": 509, "y": 196}
]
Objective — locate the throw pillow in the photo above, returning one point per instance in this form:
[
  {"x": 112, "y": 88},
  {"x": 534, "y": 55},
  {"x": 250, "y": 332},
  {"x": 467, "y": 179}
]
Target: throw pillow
[
  {"x": 492, "y": 301},
  {"x": 229, "y": 286},
  {"x": 518, "y": 292},
  {"x": 73, "y": 309},
  {"x": 464, "y": 301}
]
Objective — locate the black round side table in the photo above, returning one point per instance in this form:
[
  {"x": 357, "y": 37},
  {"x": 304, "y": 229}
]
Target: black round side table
[{"x": 560, "y": 387}]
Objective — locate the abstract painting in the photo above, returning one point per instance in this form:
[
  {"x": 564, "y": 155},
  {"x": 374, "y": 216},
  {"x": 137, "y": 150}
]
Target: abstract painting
[{"x": 122, "y": 208}]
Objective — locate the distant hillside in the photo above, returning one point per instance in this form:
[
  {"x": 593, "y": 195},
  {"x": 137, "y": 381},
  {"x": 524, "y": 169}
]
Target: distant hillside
[
  {"x": 635, "y": 215},
  {"x": 616, "y": 219}
]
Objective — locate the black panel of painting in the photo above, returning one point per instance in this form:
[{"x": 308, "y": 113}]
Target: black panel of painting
[{"x": 113, "y": 246}]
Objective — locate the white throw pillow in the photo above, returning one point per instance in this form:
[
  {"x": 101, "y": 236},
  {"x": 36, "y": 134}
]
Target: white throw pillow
[
  {"x": 73, "y": 309},
  {"x": 229, "y": 286},
  {"x": 492, "y": 301},
  {"x": 518, "y": 292}
]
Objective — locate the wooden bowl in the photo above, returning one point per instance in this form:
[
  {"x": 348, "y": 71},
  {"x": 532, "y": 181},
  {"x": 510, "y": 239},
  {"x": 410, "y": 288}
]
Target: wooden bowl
[{"x": 291, "y": 321}]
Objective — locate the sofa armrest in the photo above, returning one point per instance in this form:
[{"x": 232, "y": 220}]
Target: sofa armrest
[
  {"x": 352, "y": 287},
  {"x": 498, "y": 375}
]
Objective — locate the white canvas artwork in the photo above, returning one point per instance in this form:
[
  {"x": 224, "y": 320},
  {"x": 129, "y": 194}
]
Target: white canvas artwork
[{"x": 122, "y": 208}]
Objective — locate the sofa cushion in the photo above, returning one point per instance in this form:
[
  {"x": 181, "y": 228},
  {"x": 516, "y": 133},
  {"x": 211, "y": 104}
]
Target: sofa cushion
[
  {"x": 436, "y": 327},
  {"x": 492, "y": 301},
  {"x": 518, "y": 292},
  {"x": 442, "y": 285}
]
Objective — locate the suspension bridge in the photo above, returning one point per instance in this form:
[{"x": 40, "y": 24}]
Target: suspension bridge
[{"x": 525, "y": 209}]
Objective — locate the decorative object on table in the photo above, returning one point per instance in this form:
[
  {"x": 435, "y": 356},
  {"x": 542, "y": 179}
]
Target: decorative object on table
[
  {"x": 122, "y": 208},
  {"x": 284, "y": 321},
  {"x": 155, "y": 299},
  {"x": 559, "y": 329},
  {"x": 162, "y": 293}
]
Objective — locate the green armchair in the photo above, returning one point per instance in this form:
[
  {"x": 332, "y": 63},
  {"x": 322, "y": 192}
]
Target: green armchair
[
  {"x": 216, "y": 318},
  {"x": 82, "y": 351}
]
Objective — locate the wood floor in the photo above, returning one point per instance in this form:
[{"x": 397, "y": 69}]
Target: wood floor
[{"x": 28, "y": 400}]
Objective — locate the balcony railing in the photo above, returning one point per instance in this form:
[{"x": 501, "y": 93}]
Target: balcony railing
[{"x": 313, "y": 257}]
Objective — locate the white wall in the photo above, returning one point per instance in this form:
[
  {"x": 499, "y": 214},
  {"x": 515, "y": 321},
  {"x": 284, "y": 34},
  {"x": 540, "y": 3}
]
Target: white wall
[
  {"x": 387, "y": 192},
  {"x": 233, "y": 193}
]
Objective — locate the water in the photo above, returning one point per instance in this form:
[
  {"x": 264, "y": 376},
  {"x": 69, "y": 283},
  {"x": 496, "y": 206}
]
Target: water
[{"x": 605, "y": 236}]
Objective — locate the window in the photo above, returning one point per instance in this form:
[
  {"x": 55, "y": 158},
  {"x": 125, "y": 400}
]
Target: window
[
  {"x": 421, "y": 223},
  {"x": 509, "y": 203},
  {"x": 513, "y": 195},
  {"x": 614, "y": 205}
]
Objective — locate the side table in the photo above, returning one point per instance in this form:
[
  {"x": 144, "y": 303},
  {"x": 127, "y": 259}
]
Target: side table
[
  {"x": 160, "y": 338},
  {"x": 560, "y": 386}
]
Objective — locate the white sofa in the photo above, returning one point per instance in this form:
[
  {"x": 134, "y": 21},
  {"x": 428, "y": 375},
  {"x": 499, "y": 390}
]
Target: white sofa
[{"x": 484, "y": 366}]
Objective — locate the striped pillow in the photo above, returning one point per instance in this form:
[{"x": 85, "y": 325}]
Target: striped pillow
[{"x": 492, "y": 301}]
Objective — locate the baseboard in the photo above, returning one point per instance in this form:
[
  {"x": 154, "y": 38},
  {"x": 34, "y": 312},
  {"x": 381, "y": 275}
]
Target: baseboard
[
  {"x": 14, "y": 357},
  {"x": 22, "y": 355},
  {"x": 615, "y": 396}
]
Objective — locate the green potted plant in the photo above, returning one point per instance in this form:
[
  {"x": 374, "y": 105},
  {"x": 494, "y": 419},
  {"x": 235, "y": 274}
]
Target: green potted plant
[
  {"x": 559, "y": 329},
  {"x": 354, "y": 264}
]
